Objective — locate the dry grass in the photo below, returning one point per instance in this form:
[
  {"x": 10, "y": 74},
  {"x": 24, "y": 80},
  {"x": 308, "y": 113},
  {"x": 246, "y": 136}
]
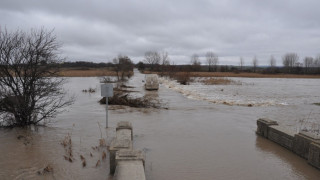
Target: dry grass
[
  {"x": 90, "y": 90},
  {"x": 67, "y": 144},
  {"x": 244, "y": 74},
  {"x": 91, "y": 72},
  {"x": 104, "y": 155},
  {"x": 220, "y": 81},
  {"x": 84, "y": 162},
  {"x": 102, "y": 143},
  {"x": 45, "y": 170},
  {"x": 98, "y": 163}
]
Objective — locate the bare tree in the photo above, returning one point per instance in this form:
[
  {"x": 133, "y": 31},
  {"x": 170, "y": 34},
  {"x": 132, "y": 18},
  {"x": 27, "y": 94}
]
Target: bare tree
[
  {"x": 308, "y": 63},
  {"x": 316, "y": 64},
  {"x": 195, "y": 62},
  {"x": 254, "y": 63},
  {"x": 241, "y": 63},
  {"x": 165, "y": 62},
  {"x": 123, "y": 67},
  {"x": 273, "y": 61},
  {"x": 164, "y": 56},
  {"x": 195, "y": 59},
  {"x": 289, "y": 61},
  {"x": 212, "y": 60},
  {"x": 153, "y": 58},
  {"x": 30, "y": 89}
]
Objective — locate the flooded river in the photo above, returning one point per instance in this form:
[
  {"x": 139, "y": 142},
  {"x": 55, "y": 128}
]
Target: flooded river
[{"x": 207, "y": 132}]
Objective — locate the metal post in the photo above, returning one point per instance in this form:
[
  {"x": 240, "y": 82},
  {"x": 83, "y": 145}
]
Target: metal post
[
  {"x": 107, "y": 112},
  {"x": 106, "y": 91}
]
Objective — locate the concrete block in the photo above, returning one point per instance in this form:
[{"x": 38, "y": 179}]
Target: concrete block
[
  {"x": 129, "y": 165},
  {"x": 123, "y": 128},
  {"x": 282, "y": 136},
  {"x": 115, "y": 146},
  {"x": 129, "y": 155},
  {"x": 132, "y": 170},
  {"x": 152, "y": 82},
  {"x": 123, "y": 134},
  {"x": 263, "y": 126},
  {"x": 314, "y": 136},
  {"x": 314, "y": 155},
  {"x": 124, "y": 125},
  {"x": 123, "y": 140},
  {"x": 302, "y": 143}
]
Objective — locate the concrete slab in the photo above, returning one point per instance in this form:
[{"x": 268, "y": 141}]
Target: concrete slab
[
  {"x": 129, "y": 155},
  {"x": 313, "y": 136},
  {"x": 124, "y": 134},
  {"x": 115, "y": 146},
  {"x": 123, "y": 140},
  {"x": 132, "y": 170},
  {"x": 124, "y": 125}
]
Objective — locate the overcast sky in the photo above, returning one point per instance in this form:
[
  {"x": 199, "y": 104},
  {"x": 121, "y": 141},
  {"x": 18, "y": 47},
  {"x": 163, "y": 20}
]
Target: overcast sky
[{"x": 98, "y": 30}]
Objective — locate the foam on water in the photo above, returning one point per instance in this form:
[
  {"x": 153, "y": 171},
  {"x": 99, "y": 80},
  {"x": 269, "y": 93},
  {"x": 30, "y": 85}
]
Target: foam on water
[{"x": 224, "y": 94}]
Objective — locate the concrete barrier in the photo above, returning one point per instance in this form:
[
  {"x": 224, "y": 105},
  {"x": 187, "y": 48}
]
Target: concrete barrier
[
  {"x": 123, "y": 140},
  {"x": 124, "y": 130},
  {"x": 304, "y": 144},
  {"x": 282, "y": 136},
  {"x": 125, "y": 163},
  {"x": 263, "y": 126},
  {"x": 129, "y": 165},
  {"x": 314, "y": 155}
]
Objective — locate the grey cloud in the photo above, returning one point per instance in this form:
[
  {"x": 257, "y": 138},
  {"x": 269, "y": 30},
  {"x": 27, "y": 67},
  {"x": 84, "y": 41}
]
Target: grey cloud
[{"x": 99, "y": 30}]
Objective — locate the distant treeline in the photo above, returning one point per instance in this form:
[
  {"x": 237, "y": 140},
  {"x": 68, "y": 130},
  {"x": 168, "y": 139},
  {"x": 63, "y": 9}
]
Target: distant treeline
[
  {"x": 228, "y": 68},
  {"x": 159, "y": 61},
  {"x": 85, "y": 64},
  {"x": 198, "y": 68}
]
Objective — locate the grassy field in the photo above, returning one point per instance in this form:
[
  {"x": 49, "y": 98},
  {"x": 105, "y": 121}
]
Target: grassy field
[{"x": 244, "y": 74}]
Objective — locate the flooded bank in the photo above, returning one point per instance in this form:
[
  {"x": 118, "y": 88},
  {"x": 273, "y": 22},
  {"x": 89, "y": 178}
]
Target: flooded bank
[{"x": 193, "y": 139}]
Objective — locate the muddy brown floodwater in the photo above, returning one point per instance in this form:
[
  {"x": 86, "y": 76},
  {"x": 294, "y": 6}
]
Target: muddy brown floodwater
[{"x": 192, "y": 139}]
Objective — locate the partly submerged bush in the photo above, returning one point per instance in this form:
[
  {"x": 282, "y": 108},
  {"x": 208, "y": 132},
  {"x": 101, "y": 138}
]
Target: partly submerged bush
[
  {"x": 121, "y": 98},
  {"x": 220, "y": 81},
  {"x": 183, "y": 78}
]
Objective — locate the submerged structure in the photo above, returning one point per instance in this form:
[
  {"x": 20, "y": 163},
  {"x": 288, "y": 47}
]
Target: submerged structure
[
  {"x": 152, "y": 82},
  {"x": 305, "y": 144}
]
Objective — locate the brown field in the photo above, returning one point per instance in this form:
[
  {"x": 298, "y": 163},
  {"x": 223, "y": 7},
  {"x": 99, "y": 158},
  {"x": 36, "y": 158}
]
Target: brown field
[
  {"x": 90, "y": 72},
  {"x": 244, "y": 74}
]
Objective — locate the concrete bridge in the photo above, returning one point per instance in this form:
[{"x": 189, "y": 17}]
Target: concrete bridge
[{"x": 125, "y": 162}]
